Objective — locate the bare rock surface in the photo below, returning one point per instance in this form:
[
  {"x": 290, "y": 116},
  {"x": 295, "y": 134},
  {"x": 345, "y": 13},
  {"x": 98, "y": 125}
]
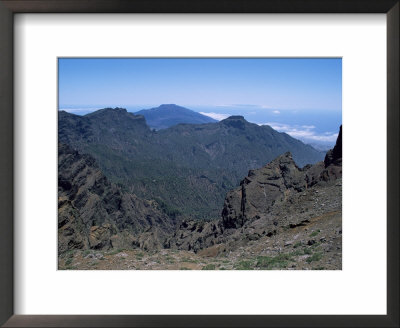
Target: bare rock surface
[{"x": 94, "y": 213}]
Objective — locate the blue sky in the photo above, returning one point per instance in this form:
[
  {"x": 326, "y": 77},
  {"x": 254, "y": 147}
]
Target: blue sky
[{"x": 284, "y": 92}]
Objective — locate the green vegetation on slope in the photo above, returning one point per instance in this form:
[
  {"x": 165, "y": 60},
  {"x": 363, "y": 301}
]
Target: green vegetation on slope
[{"x": 188, "y": 168}]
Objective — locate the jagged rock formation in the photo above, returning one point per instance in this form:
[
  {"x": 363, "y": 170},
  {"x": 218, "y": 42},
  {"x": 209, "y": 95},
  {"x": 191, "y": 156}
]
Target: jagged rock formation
[
  {"x": 94, "y": 213},
  {"x": 261, "y": 189},
  {"x": 334, "y": 156},
  {"x": 276, "y": 196}
]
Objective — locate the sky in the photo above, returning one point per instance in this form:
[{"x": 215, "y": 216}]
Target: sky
[{"x": 302, "y": 97}]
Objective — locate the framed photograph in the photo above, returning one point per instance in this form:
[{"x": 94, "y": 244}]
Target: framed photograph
[
  {"x": 199, "y": 164},
  {"x": 203, "y": 185}
]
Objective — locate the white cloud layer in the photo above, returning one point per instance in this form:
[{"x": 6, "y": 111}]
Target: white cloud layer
[
  {"x": 79, "y": 110},
  {"x": 216, "y": 116},
  {"x": 303, "y": 132}
]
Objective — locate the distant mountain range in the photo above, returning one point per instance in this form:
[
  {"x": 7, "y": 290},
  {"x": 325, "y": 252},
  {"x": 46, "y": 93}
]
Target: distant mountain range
[
  {"x": 167, "y": 115},
  {"x": 187, "y": 168}
]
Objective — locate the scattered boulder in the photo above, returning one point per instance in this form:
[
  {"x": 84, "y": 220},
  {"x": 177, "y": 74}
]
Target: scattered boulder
[{"x": 99, "y": 237}]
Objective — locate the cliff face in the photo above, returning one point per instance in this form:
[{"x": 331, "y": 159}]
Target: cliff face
[
  {"x": 277, "y": 183},
  {"x": 334, "y": 156},
  {"x": 94, "y": 213},
  {"x": 261, "y": 189}
]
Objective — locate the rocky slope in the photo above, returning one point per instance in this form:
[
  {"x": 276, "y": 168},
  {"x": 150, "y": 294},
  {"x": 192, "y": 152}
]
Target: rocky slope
[
  {"x": 235, "y": 144},
  {"x": 96, "y": 214},
  {"x": 278, "y": 202},
  {"x": 315, "y": 245}
]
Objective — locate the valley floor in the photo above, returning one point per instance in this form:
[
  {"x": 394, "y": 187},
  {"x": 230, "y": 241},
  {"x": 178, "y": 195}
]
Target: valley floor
[{"x": 316, "y": 245}]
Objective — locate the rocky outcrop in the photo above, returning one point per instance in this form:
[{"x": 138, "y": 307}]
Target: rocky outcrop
[
  {"x": 261, "y": 189},
  {"x": 235, "y": 121},
  {"x": 100, "y": 236},
  {"x": 333, "y": 161},
  {"x": 278, "y": 182},
  {"x": 94, "y": 212},
  {"x": 196, "y": 235},
  {"x": 334, "y": 156}
]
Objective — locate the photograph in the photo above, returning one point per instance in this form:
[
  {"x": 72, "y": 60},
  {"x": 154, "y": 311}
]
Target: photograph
[
  {"x": 223, "y": 163},
  {"x": 173, "y": 149}
]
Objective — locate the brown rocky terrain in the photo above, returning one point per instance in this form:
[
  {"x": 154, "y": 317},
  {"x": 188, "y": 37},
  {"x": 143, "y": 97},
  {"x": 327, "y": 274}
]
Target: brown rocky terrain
[
  {"x": 316, "y": 245},
  {"x": 280, "y": 217}
]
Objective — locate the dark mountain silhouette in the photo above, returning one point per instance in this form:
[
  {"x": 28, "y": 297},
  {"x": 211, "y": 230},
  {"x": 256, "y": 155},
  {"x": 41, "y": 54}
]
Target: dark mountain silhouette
[{"x": 167, "y": 115}]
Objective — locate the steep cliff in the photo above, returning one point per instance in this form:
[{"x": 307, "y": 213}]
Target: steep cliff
[{"x": 94, "y": 213}]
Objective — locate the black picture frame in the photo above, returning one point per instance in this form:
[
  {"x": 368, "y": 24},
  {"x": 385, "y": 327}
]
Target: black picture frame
[{"x": 10, "y": 7}]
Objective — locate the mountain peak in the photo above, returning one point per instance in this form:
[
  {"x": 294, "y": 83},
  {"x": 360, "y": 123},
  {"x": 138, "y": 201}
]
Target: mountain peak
[
  {"x": 235, "y": 121},
  {"x": 282, "y": 162},
  {"x": 108, "y": 110},
  {"x": 117, "y": 119},
  {"x": 168, "y": 106},
  {"x": 167, "y": 115},
  {"x": 115, "y": 109},
  {"x": 236, "y": 117},
  {"x": 334, "y": 156},
  {"x": 284, "y": 157}
]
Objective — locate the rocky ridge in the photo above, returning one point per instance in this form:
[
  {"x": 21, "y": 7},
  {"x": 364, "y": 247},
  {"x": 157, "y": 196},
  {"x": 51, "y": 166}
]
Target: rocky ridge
[
  {"x": 269, "y": 200},
  {"x": 94, "y": 213}
]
